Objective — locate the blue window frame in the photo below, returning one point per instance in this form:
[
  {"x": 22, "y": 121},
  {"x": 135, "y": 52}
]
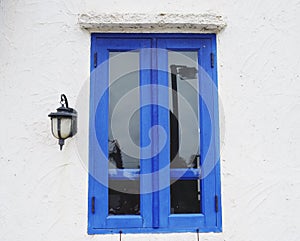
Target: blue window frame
[{"x": 147, "y": 67}]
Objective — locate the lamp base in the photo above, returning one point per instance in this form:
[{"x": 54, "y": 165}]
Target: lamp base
[{"x": 61, "y": 142}]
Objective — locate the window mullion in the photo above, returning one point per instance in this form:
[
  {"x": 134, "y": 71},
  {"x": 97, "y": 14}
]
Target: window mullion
[
  {"x": 163, "y": 121},
  {"x": 145, "y": 126}
]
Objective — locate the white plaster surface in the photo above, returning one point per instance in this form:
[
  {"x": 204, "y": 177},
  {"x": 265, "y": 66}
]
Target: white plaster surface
[{"x": 44, "y": 52}]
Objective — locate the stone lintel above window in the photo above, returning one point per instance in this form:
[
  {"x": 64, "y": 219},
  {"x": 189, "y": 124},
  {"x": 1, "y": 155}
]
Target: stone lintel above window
[{"x": 149, "y": 23}]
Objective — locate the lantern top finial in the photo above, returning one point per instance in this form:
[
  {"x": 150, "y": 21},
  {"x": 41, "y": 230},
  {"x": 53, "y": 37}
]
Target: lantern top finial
[{"x": 64, "y": 100}]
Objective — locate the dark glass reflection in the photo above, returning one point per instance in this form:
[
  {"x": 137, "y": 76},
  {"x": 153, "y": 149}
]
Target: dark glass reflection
[
  {"x": 185, "y": 197},
  {"x": 184, "y": 116},
  {"x": 184, "y": 129},
  {"x": 121, "y": 197}
]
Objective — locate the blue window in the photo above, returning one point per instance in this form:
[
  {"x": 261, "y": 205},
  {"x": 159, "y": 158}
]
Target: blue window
[{"x": 154, "y": 134}]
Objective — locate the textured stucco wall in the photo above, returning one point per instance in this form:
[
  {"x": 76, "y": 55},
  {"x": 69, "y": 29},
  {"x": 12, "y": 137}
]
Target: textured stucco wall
[{"x": 44, "y": 52}]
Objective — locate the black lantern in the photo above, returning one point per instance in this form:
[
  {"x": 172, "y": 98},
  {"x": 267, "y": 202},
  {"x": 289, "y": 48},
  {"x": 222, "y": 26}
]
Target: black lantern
[{"x": 63, "y": 122}]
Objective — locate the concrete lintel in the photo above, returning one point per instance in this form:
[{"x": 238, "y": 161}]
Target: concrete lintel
[{"x": 149, "y": 23}]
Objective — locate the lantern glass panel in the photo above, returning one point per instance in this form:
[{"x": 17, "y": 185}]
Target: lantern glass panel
[{"x": 65, "y": 127}]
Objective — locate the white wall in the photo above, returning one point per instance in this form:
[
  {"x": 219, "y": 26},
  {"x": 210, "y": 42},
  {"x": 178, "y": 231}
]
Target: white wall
[{"x": 43, "y": 53}]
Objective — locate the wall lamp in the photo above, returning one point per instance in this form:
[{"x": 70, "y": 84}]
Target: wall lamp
[{"x": 63, "y": 121}]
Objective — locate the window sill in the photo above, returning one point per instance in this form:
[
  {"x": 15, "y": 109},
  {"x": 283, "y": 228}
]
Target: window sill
[{"x": 214, "y": 229}]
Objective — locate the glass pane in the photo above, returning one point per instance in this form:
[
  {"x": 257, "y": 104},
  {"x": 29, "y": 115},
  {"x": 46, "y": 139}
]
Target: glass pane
[
  {"x": 184, "y": 99},
  {"x": 124, "y": 132},
  {"x": 184, "y": 128},
  {"x": 124, "y": 197},
  {"x": 185, "y": 196},
  {"x": 124, "y": 116},
  {"x": 65, "y": 127}
]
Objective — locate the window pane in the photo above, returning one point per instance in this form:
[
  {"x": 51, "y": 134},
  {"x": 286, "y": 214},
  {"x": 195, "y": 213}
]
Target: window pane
[
  {"x": 124, "y": 116},
  {"x": 184, "y": 99},
  {"x": 184, "y": 128},
  {"x": 185, "y": 196},
  {"x": 124, "y": 197},
  {"x": 124, "y": 132}
]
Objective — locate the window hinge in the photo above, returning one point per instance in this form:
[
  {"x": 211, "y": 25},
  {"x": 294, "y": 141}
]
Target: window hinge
[
  {"x": 95, "y": 60},
  {"x": 93, "y": 205},
  {"x": 212, "y": 60},
  {"x": 216, "y": 203}
]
